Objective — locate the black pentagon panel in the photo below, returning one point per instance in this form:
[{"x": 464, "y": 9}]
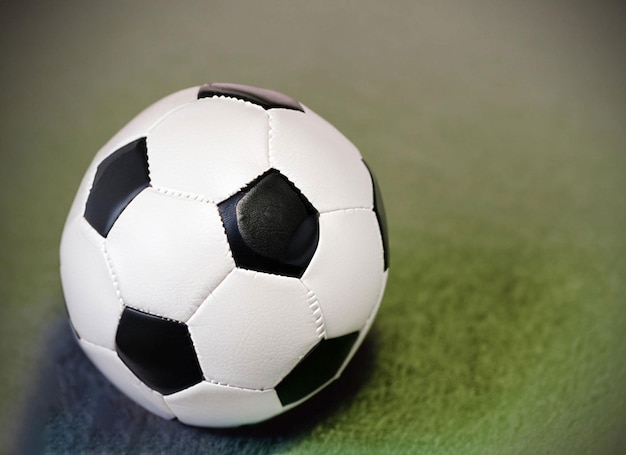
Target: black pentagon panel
[
  {"x": 119, "y": 178},
  {"x": 379, "y": 209},
  {"x": 159, "y": 351},
  {"x": 271, "y": 227},
  {"x": 318, "y": 367},
  {"x": 267, "y": 99}
]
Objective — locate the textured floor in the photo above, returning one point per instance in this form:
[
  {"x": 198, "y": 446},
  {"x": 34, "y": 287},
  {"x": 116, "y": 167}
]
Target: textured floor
[{"x": 73, "y": 409}]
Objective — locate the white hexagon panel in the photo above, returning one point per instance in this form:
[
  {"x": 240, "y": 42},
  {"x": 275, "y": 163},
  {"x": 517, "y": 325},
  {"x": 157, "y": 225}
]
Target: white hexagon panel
[
  {"x": 253, "y": 353},
  {"x": 180, "y": 256},
  {"x": 319, "y": 160},
  {"x": 225, "y": 255},
  {"x": 192, "y": 148},
  {"x": 86, "y": 278}
]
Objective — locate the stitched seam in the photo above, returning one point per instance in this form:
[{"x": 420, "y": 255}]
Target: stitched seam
[
  {"x": 314, "y": 305},
  {"x": 350, "y": 209},
  {"x": 166, "y": 405},
  {"x": 232, "y": 98},
  {"x": 221, "y": 384},
  {"x": 316, "y": 309},
  {"x": 159, "y": 120},
  {"x": 167, "y": 114},
  {"x": 138, "y": 381},
  {"x": 152, "y": 313},
  {"x": 116, "y": 284},
  {"x": 182, "y": 194},
  {"x": 270, "y": 139},
  {"x": 82, "y": 340},
  {"x": 118, "y": 292},
  {"x": 209, "y": 295}
]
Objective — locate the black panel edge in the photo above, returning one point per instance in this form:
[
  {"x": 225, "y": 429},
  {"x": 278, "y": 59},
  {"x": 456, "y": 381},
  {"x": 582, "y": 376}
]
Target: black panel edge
[
  {"x": 244, "y": 256},
  {"x": 316, "y": 369},
  {"x": 158, "y": 350},
  {"x": 379, "y": 210},
  {"x": 267, "y": 99},
  {"x": 119, "y": 178}
]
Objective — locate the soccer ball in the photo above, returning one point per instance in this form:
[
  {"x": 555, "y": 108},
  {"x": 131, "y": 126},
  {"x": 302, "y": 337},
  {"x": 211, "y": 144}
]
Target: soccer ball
[{"x": 225, "y": 255}]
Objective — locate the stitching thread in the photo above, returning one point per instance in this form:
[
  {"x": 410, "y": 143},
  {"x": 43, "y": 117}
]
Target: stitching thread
[
  {"x": 116, "y": 284},
  {"x": 221, "y": 384},
  {"x": 270, "y": 139},
  {"x": 349, "y": 209},
  {"x": 315, "y": 307},
  {"x": 118, "y": 292},
  {"x": 182, "y": 194},
  {"x": 209, "y": 295}
]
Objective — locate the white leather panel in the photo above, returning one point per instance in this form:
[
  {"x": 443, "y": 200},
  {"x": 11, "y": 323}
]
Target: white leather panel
[
  {"x": 168, "y": 253},
  {"x": 114, "y": 369},
  {"x": 346, "y": 272},
  {"x": 319, "y": 160},
  {"x": 254, "y": 329},
  {"x": 212, "y": 147},
  {"x": 136, "y": 128},
  {"x": 140, "y": 124},
  {"x": 366, "y": 329},
  {"x": 213, "y": 405},
  {"x": 90, "y": 296}
]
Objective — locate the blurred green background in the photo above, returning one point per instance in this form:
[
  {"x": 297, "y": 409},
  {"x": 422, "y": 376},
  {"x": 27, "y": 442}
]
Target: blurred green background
[{"x": 497, "y": 131}]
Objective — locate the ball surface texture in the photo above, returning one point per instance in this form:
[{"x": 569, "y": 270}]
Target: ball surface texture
[{"x": 225, "y": 255}]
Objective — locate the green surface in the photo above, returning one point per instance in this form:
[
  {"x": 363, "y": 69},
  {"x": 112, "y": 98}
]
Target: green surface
[{"x": 497, "y": 131}]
